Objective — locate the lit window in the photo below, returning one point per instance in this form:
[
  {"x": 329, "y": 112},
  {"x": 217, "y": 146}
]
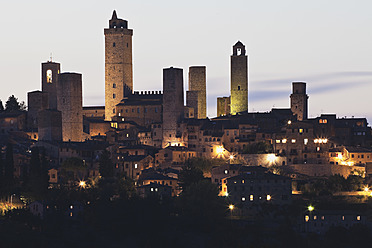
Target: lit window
[
  {"x": 322, "y": 218},
  {"x": 71, "y": 207},
  {"x": 318, "y": 149},
  {"x": 342, "y": 217},
  {"x": 289, "y": 122},
  {"x": 152, "y": 189},
  {"x": 300, "y": 130},
  {"x": 306, "y": 141},
  {"x": 358, "y": 218},
  {"x": 268, "y": 197},
  {"x": 284, "y": 141},
  {"x": 135, "y": 166},
  {"x": 156, "y": 189},
  {"x": 226, "y": 171},
  {"x": 49, "y": 76},
  {"x": 277, "y": 141},
  {"x": 243, "y": 198},
  {"x": 307, "y": 218},
  {"x": 293, "y": 140},
  {"x": 251, "y": 197},
  {"x": 315, "y": 217}
]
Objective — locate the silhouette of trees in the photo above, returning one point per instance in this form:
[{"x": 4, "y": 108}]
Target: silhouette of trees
[{"x": 12, "y": 105}]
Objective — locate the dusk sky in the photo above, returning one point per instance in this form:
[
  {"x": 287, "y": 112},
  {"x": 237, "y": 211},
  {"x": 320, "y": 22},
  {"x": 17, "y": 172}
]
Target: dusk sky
[{"x": 327, "y": 44}]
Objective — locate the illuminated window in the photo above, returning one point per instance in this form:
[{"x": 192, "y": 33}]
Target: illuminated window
[
  {"x": 284, "y": 141},
  {"x": 342, "y": 217},
  {"x": 307, "y": 218},
  {"x": 306, "y": 141},
  {"x": 226, "y": 171},
  {"x": 49, "y": 76},
  {"x": 318, "y": 149},
  {"x": 315, "y": 217},
  {"x": 358, "y": 218},
  {"x": 293, "y": 140},
  {"x": 251, "y": 197},
  {"x": 277, "y": 141},
  {"x": 322, "y": 218},
  {"x": 268, "y": 197},
  {"x": 243, "y": 198},
  {"x": 300, "y": 130},
  {"x": 152, "y": 189}
]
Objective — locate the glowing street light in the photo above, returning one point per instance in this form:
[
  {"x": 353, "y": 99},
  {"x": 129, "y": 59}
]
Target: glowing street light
[
  {"x": 219, "y": 150},
  {"x": 310, "y": 208},
  {"x": 231, "y": 207},
  {"x": 82, "y": 184}
]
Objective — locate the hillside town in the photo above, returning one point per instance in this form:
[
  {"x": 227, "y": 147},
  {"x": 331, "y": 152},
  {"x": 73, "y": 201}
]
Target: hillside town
[{"x": 155, "y": 159}]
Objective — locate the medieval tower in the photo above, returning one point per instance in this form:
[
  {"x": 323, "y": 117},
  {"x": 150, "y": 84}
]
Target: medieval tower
[
  {"x": 299, "y": 100},
  {"x": 172, "y": 104},
  {"x": 49, "y": 81},
  {"x": 70, "y": 100},
  {"x": 197, "y": 95},
  {"x": 239, "y": 79},
  {"x": 118, "y": 64}
]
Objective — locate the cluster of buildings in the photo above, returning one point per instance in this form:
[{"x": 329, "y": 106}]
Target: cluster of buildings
[{"x": 151, "y": 134}]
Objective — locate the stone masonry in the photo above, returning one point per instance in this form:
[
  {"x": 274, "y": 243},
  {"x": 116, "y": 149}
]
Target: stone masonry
[
  {"x": 49, "y": 81},
  {"x": 70, "y": 104},
  {"x": 239, "y": 79},
  {"x": 118, "y": 64},
  {"x": 299, "y": 100},
  {"x": 197, "y": 95}
]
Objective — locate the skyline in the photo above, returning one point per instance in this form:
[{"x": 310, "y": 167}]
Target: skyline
[{"x": 334, "y": 65}]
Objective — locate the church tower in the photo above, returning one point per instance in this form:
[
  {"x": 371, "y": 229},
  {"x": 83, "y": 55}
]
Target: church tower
[
  {"x": 299, "y": 100},
  {"x": 49, "y": 81},
  {"x": 118, "y": 64},
  {"x": 239, "y": 79}
]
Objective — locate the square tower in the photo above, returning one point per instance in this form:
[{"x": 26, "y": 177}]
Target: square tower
[
  {"x": 49, "y": 81},
  {"x": 118, "y": 64},
  {"x": 239, "y": 79},
  {"x": 299, "y": 100},
  {"x": 197, "y": 95},
  {"x": 172, "y": 104}
]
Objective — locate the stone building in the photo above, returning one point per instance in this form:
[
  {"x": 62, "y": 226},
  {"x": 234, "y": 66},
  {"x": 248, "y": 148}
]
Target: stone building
[
  {"x": 299, "y": 100},
  {"x": 172, "y": 104},
  {"x": 36, "y": 101},
  {"x": 70, "y": 101},
  {"x": 50, "y": 125},
  {"x": 196, "y": 97},
  {"x": 239, "y": 79},
  {"x": 223, "y": 106},
  {"x": 118, "y": 64},
  {"x": 49, "y": 80}
]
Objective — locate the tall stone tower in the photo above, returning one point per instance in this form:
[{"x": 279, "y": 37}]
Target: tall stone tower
[
  {"x": 197, "y": 95},
  {"x": 49, "y": 81},
  {"x": 239, "y": 79},
  {"x": 172, "y": 104},
  {"x": 70, "y": 103},
  {"x": 299, "y": 100},
  {"x": 118, "y": 64}
]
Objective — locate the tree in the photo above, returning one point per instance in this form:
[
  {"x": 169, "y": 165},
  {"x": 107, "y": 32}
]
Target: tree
[
  {"x": 189, "y": 175},
  {"x": 1, "y": 106},
  {"x": 258, "y": 148},
  {"x": 72, "y": 168},
  {"x": 200, "y": 201},
  {"x": 9, "y": 169},
  {"x": 38, "y": 180},
  {"x": 106, "y": 167},
  {"x": 13, "y": 105}
]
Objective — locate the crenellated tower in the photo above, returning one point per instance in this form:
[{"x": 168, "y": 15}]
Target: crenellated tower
[{"x": 118, "y": 64}]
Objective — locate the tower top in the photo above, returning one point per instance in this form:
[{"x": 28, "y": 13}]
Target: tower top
[
  {"x": 114, "y": 16},
  {"x": 116, "y": 22},
  {"x": 238, "y": 49}
]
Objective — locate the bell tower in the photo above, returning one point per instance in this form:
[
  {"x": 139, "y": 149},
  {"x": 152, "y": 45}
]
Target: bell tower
[
  {"x": 118, "y": 64},
  {"x": 239, "y": 79}
]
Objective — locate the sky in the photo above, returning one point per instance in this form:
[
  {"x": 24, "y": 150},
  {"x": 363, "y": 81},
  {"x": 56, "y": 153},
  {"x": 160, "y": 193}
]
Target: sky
[{"x": 327, "y": 44}]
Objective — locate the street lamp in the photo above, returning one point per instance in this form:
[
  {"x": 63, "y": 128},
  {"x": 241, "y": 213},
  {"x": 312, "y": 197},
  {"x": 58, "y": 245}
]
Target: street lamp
[
  {"x": 310, "y": 208},
  {"x": 82, "y": 184}
]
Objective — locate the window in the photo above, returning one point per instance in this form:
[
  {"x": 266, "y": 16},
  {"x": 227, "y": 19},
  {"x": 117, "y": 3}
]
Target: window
[
  {"x": 113, "y": 85},
  {"x": 251, "y": 197},
  {"x": 306, "y": 141},
  {"x": 293, "y": 140},
  {"x": 49, "y": 76},
  {"x": 238, "y": 87},
  {"x": 243, "y": 198},
  {"x": 138, "y": 110},
  {"x": 114, "y": 96},
  {"x": 114, "y": 44},
  {"x": 156, "y": 110},
  {"x": 135, "y": 166},
  {"x": 113, "y": 111}
]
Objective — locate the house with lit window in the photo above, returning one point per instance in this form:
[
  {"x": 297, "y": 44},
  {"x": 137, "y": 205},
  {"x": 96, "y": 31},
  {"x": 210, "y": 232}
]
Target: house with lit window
[
  {"x": 151, "y": 176},
  {"x": 154, "y": 190},
  {"x": 320, "y": 222},
  {"x": 132, "y": 166},
  {"x": 255, "y": 185}
]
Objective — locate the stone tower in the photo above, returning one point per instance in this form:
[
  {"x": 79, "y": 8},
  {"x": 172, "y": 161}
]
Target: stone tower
[
  {"x": 70, "y": 102},
  {"x": 50, "y": 125},
  {"x": 118, "y": 64},
  {"x": 36, "y": 101},
  {"x": 172, "y": 104},
  {"x": 197, "y": 95},
  {"x": 299, "y": 100},
  {"x": 239, "y": 79},
  {"x": 223, "y": 106},
  {"x": 49, "y": 81}
]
